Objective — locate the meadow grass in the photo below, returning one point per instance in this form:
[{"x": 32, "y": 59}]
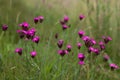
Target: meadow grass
[{"x": 101, "y": 18}]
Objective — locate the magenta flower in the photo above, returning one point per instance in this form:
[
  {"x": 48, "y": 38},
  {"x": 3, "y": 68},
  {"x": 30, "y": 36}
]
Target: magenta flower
[
  {"x": 60, "y": 43},
  {"x": 85, "y": 38},
  {"x": 69, "y": 47},
  {"x": 81, "y": 56},
  {"x": 64, "y": 26},
  {"x": 66, "y": 19},
  {"x": 4, "y": 27},
  {"x": 81, "y": 62},
  {"x": 18, "y": 50},
  {"x": 113, "y": 66},
  {"x": 41, "y": 18},
  {"x": 81, "y": 33},
  {"x": 96, "y": 51},
  {"x": 102, "y": 45},
  {"x": 107, "y": 39},
  {"x": 24, "y": 26},
  {"x": 106, "y": 57},
  {"x": 62, "y": 52},
  {"x": 33, "y": 54},
  {"x": 93, "y": 42},
  {"x": 90, "y": 42},
  {"x": 90, "y": 49},
  {"x": 36, "y": 39},
  {"x": 81, "y": 17},
  {"x": 36, "y": 19},
  {"x": 30, "y": 33},
  {"x": 79, "y": 45},
  {"x": 22, "y": 33}
]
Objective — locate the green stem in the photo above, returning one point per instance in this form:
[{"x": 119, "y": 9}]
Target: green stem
[{"x": 1, "y": 35}]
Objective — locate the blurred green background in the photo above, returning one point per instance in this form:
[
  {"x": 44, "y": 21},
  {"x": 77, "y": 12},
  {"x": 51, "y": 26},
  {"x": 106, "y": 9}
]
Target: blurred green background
[{"x": 102, "y": 17}]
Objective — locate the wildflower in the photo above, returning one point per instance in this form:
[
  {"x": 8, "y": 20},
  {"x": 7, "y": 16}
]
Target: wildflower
[
  {"x": 66, "y": 51},
  {"x": 79, "y": 45},
  {"x": 66, "y": 19},
  {"x": 85, "y": 38},
  {"x": 81, "y": 56},
  {"x": 36, "y": 19},
  {"x": 81, "y": 62},
  {"x": 106, "y": 57},
  {"x": 113, "y": 66},
  {"x": 81, "y": 33},
  {"x": 4, "y": 27},
  {"x": 41, "y": 18},
  {"x": 102, "y": 45},
  {"x": 90, "y": 42},
  {"x": 62, "y": 52},
  {"x": 90, "y": 49},
  {"x": 18, "y": 50},
  {"x": 107, "y": 39},
  {"x": 69, "y": 47},
  {"x": 21, "y": 33},
  {"x": 81, "y": 17},
  {"x": 64, "y": 26},
  {"x": 60, "y": 43},
  {"x": 36, "y": 39},
  {"x": 33, "y": 54},
  {"x": 24, "y": 26},
  {"x": 96, "y": 51},
  {"x": 30, "y": 33}
]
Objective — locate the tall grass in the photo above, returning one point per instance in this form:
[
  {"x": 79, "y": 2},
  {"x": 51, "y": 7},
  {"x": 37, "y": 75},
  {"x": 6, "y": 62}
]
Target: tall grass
[{"x": 102, "y": 18}]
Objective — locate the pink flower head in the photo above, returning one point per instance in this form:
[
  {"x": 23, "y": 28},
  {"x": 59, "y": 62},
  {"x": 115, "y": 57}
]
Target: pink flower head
[
  {"x": 41, "y": 18},
  {"x": 64, "y": 26},
  {"x": 90, "y": 42},
  {"x": 36, "y": 39},
  {"x": 81, "y": 16},
  {"x": 18, "y": 50},
  {"x": 21, "y": 33},
  {"x": 24, "y": 26},
  {"x": 33, "y": 54},
  {"x": 30, "y": 33},
  {"x": 79, "y": 45},
  {"x": 96, "y": 51},
  {"x": 93, "y": 42},
  {"x": 113, "y": 66},
  {"x": 62, "y": 52},
  {"x": 81, "y": 33},
  {"x": 106, "y": 57},
  {"x": 69, "y": 47},
  {"x": 36, "y": 19},
  {"x": 81, "y": 56},
  {"x": 81, "y": 62},
  {"x": 85, "y": 38},
  {"x": 4, "y": 27},
  {"x": 66, "y": 19},
  {"x": 90, "y": 49},
  {"x": 102, "y": 45},
  {"x": 107, "y": 39},
  {"x": 60, "y": 43}
]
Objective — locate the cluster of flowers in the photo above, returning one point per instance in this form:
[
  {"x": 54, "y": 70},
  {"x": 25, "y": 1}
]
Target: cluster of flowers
[
  {"x": 29, "y": 34},
  {"x": 65, "y": 20},
  {"x": 88, "y": 41}
]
